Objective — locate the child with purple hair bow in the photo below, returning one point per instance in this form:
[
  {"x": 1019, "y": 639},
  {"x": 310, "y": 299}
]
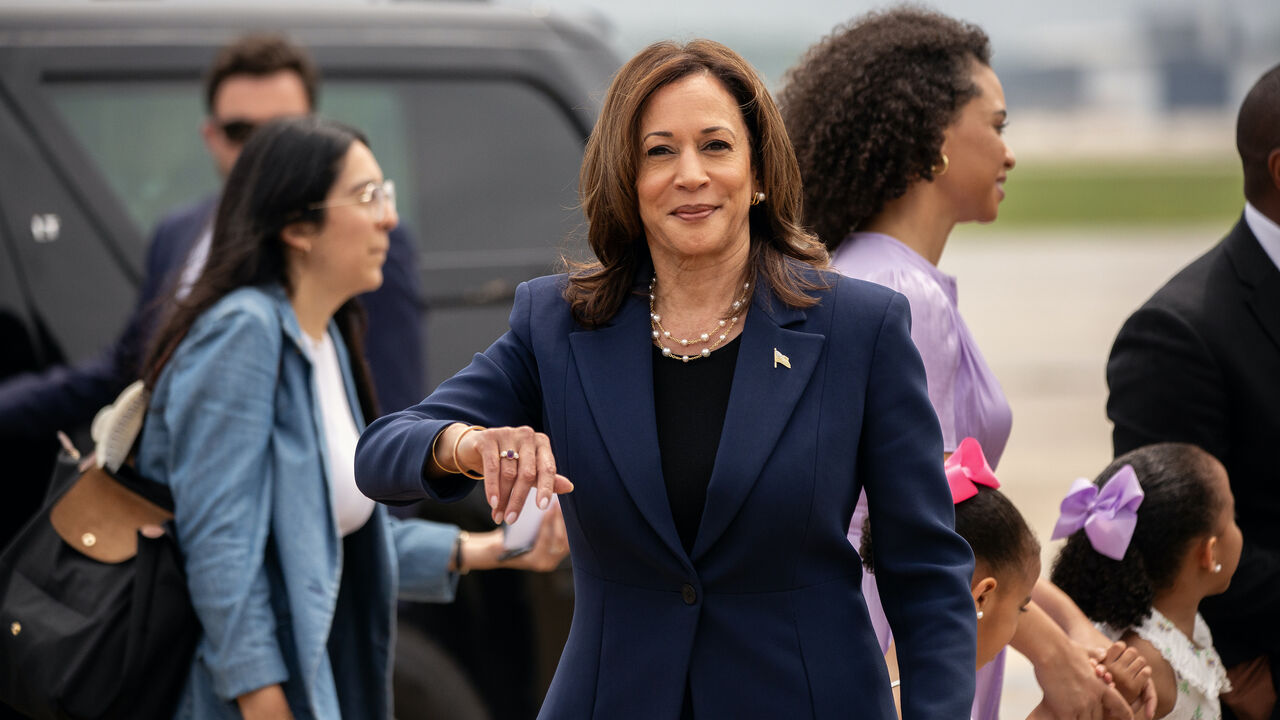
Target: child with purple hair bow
[{"x": 1146, "y": 542}]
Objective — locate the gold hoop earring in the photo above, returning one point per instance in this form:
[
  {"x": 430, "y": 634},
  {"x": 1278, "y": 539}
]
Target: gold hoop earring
[
  {"x": 941, "y": 168},
  {"x": 757, "y": 198}
]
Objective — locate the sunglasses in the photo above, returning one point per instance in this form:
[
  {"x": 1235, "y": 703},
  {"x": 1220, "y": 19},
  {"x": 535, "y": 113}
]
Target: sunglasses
[{"x": 237, "y": 131}]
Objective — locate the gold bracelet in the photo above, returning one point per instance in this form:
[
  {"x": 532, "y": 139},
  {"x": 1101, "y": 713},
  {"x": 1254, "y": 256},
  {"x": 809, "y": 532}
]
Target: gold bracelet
[
  {"x": 435, "y": 459},
  {"x": 457, "y": 441}
]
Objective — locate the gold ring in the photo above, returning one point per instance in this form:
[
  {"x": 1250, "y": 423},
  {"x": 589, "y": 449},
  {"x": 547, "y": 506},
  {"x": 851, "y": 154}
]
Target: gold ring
[{"x": 508, "y": 455}]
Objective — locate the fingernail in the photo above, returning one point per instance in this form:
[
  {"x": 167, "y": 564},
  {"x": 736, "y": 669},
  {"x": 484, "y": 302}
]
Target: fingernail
[
  {"x": 511, "y": 517},
  {"x": 543, "y": 502},
  {"x": 493, "y": 501}
]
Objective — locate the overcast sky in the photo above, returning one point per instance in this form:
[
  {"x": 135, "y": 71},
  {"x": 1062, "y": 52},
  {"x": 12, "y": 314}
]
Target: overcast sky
[{"x": 772, "y": 34}]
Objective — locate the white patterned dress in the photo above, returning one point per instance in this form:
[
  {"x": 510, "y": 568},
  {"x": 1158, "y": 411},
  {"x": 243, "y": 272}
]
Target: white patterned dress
[{"x": 1197, "y": 669}]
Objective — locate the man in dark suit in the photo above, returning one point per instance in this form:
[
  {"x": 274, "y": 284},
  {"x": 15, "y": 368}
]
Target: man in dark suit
[
  {"x": 1200, "y": 363},
  {"x": 253, "y": 80}
]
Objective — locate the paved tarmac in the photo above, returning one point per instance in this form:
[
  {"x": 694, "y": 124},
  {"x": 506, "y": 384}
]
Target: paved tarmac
[{"x": 1045, "y": 307}]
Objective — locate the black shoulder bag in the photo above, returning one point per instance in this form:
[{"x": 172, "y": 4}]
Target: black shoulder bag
[{"x": 95, "y": 617}]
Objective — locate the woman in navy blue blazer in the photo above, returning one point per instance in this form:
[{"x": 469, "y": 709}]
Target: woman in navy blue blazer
[{"x": 719, "y": 399}]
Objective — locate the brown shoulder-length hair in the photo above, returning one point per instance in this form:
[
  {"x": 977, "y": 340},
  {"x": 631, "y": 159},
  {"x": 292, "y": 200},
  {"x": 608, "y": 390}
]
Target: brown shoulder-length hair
[{"x": 781, "y": 250}]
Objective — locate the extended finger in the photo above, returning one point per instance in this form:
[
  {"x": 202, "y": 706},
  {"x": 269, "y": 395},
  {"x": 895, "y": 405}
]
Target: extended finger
[
  {"x": 487, "y": 446},
  {"x": 546, "y": 469}
]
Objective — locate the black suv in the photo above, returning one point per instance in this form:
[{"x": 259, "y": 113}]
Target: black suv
[{"x": 478, "y": 112}]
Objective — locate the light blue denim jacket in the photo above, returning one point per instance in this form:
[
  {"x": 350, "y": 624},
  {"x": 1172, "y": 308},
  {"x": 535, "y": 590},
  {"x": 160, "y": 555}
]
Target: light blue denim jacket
[{"x": 235, "y": 431}]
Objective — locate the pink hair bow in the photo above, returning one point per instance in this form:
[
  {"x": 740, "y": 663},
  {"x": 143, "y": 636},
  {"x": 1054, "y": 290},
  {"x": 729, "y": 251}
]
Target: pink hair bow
[
  {"x": 1108, "y": 516},
  {"x": 966, "y": 469}
]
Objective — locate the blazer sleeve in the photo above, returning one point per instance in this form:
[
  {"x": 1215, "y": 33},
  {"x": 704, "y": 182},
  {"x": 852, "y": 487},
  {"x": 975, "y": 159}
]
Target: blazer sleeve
[
  {"x": 499, "y": 388},
  {"x": 423, "y": 551},
  {"x": 922, "y": 566},
  {"x": 219, "y": 408}
]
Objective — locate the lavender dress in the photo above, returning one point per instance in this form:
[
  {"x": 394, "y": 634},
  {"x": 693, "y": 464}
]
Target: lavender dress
[{"x": 964, "y": 392}]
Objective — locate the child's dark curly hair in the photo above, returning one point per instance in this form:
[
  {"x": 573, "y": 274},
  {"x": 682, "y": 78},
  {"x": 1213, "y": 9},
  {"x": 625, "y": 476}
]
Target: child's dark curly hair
[
  {"x": 867, "y": 106},
  {"x": 993, "y": 527},
  {"x": 1179, "y": 506}
]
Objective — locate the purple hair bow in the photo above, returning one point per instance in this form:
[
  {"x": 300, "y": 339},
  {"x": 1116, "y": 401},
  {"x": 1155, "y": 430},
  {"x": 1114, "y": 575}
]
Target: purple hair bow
[{"x": 1108, "y": 516}]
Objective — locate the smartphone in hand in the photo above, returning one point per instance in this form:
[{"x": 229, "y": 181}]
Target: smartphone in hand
[{"x": 518, "y": 537}]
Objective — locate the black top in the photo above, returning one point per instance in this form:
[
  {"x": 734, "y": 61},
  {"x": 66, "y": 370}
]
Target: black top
[{"x": 690, "y": 400}]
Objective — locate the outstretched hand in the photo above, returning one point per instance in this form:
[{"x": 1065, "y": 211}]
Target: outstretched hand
[{"x": 513, "y": 461}]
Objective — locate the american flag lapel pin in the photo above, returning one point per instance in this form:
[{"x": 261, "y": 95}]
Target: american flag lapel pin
[{"x": 780, "y": 359}]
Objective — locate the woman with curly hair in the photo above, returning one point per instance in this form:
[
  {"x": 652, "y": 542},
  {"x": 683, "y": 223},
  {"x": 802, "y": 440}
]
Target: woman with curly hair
[{"x": 897, "y": 120}]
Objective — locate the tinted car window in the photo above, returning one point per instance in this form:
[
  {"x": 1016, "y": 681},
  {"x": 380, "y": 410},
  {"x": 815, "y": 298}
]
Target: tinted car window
[
  {"x": 491, "y": 203},
  {"x": 144, "y": 138},
  {"x": 499, "y": 171}
]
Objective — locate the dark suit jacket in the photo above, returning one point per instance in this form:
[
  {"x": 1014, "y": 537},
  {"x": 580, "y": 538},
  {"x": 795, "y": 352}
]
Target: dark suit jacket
[
  {"x": 36, "y": 405},
  {"x": 1200, "y": 363},
  {"x": 765, "y": 616}
]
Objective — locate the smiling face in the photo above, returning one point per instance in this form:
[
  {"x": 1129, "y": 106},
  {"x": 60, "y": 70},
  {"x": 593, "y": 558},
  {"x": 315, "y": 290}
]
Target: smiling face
[
  {"x": 345, "y": 254},
  {"x": 1002, "y": 601},
  {"x": 979, "y": 158},
  {"x": 695, "y": 178}
]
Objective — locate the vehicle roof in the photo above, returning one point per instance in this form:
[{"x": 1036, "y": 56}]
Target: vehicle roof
[{"x": 83, "y": 24}]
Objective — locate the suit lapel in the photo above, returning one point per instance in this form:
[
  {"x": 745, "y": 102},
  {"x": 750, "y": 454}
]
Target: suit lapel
[
  {"x": 763, "y": 397},
  {"x": 1258, "y": 272},
  {"x": 616, "y": 367}
]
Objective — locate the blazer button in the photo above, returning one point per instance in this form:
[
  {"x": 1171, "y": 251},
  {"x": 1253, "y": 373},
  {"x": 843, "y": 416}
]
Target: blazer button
[{"x": 689, "y": 595}]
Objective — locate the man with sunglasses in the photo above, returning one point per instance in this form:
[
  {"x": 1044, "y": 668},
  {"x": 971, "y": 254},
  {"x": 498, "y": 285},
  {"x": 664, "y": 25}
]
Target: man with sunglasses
[{"x": 253, "y": 80}]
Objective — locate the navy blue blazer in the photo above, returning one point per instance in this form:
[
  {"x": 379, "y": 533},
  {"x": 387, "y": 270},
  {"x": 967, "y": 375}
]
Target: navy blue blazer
[
  {"x": 765, "y": 617},
  {"x": 36, "y": 405}
]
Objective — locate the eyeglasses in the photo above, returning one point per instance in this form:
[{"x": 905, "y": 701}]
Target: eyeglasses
[
  {"x": 237, "y": 131},
  {"x": 377, "y": 197}
]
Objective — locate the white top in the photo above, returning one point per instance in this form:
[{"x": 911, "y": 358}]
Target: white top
[
  {"x": 1197, "y": 669},
  {"x": 1266, "y": 230},
  {"x": 351, "y": 509}
]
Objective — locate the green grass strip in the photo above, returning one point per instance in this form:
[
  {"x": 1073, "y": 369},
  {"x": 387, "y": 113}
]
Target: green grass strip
[{"x": 1121, "y": 193}]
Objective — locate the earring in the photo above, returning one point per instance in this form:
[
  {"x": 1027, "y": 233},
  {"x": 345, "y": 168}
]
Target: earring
[
  {"x": 757, "y": 198},
  {"x": 941, "y": 168},
  {"x": 1217, "y": 568},
  {"x": 979, "y": 614}
]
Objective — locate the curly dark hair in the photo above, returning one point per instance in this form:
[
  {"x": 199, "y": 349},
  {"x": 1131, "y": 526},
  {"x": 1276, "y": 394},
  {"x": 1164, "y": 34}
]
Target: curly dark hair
[
  {"x": 996, "y": 532},
  {"x": 867, "y": 106},
  {"x": 1179, "y": 506}
]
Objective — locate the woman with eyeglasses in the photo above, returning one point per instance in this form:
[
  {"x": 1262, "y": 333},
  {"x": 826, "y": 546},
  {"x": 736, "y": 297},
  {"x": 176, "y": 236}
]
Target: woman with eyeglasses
[{"x": 258, "y": 393}]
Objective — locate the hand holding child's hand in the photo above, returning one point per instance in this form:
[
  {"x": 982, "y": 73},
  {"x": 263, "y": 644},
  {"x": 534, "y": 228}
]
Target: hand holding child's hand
[{"x": 1132, "y": 677}]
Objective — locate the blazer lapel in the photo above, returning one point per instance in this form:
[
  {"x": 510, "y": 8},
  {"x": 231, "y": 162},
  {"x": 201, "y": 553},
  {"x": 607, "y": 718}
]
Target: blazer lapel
[
  {"x": 615, "y": 364},
  {"x": 1258, "y": 272},
  {"x": 764, "y": 395}
]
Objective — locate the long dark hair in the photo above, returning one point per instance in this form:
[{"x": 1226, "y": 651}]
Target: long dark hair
[
  {"x": 781, "y": 249},
  {"x": 286, "y": 167},
  {"x": 1179, "y": 506}
]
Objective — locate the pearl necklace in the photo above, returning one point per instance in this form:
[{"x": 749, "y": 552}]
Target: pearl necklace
[{"x": 720, "y": 332}]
